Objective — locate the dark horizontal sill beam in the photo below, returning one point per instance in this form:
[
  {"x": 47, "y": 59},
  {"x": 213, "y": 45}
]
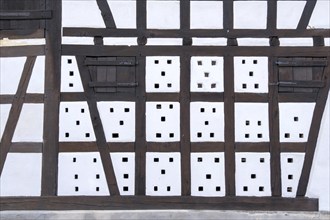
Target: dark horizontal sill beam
[
  {"x": 152, "y": 33},
  {"x": 293, "y": 147},
  {"x": 90, "y": 62},
  {"x": 297, "y": 97},
  {"x": 92, "y": 147},
  {"x": 29, "y": 98},
  {"x": 112, "y": 84},
  {"x": 301, "y": 84},
  {"x": 159, "y": 202},
  {"x": 207, "y": 146},
  {"x": 22, "y": 34},
  {"x": 302, "y": 63},
  {"x": 251, "y": 97},
  {"x": 18, "y": 51},
  {"x": 80, "y": 96},
  {"x": 92, "y": 50},
  {"x": 252, "y": 147},
  {"x": 163, "y": 146},
  {"x": 206, "y": 97},
  {"x": 25, "y": 15},
  {"x": 28, "y": 147},
  {"x": 162, "y": 97}
]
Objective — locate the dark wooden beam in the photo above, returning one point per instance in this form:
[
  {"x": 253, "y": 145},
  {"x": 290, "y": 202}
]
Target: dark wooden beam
[
  {"x": 15, "y": 111},
  {"x": 108, "y": 19},
  {"x": 306, "y": 15},
  {"x": 19, "y": 51},
  {"x": 22, "y": 34},
  {"x": 25, "y": 15}
]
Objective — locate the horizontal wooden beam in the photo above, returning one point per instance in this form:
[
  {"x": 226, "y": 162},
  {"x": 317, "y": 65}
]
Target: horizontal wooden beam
[
  {"x": 90, "y": 62},
  {"x": 92, "y": 147},
  {"x": 19, "y": 51},
  {"x": 26, "y": 147},
  {"x": 22, "y": 33},
  {"x": 112, "y": 84},
  {"x": 153, "y": 202},
  {"x": 25, "y": 15},
  {"x": 252, "y": 147},
  {"x": 302, "y": 63},
  {"x": 207, "y": 147}
]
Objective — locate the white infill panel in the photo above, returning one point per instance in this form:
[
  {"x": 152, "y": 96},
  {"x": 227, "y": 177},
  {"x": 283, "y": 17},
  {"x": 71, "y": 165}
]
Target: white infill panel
[
  {"x": 208, "y": 174},
  {"x": 75, "y": 122},
  {"x": 81, "y": 174},
  {"x": 250, "y": 14},
  {"x": 21, "y": 175},
  {"x": 4, "y": 114},
  {"x": 291, "y": 167},
  {"x": 118, "y": 120},
  {"x": 30, "y": 124},
  {"x": 163, "y": 121},
  {"x": 253, "y": 174},
  {"x": 70, "y": 76},
  {"x": 124, "y": 166},
  {"x": 206, "y": 121},
  {"x": 206, "y": 15},
  {"x": 10, "y": 74},
  {"x": 251, "y": 122},
  {"x": 289, "y": 13},
  {"x": 163, "y": 174},
  {"x": 295, "y": 121},
  {"x": 163, "y": 14},
  {"x": 123, "y": 12},
  {"x": 37, "y": 81},
  {"x": 251, "y": 74},
  {"x": 321, "y": 15},
  {"x": 206, "y": 74},
  {"x": 162, "y": 74}
]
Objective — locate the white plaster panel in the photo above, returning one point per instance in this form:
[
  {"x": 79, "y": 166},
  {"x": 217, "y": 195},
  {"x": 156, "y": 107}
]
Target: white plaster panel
[
  {"x": 291, "y": 167},
  {"x": 4, "y": 114},
  {"x": 250, "y": 14},
  {"x": 163, "y": 14},
  {"x": 21, "y": 175},
  {"x": 119, "y": 8},
  {"x": 163, "y": 74},
  {"x": 295, "y": 121},
  {"x": 327, "y": 41},
  {"x": 129, "y": 41},
  {"x": 206, "y": 74},
  {"x": 75, "y": 122},
  {"x": 124, "y": 167},
  {"x": 319, "y": 183},
  {"x": 321, "y": 15},
  {"x": 253, "y": 174},
  {"x": 163, "y": 121},
  {"x": 206, "y": 15},
  {"x": 37, "y": 81},
  {"x": 253, "y": 41},
  {"x": 81, "y": 174},
  {"x": 78, "y": 40},
  {"x": 118, "y": 120},
  {"x": 251, "y": 74},
  {"x": 70, "y": 77},
  {"x": 289, "y": 13},
  {"x": 163, "y": 174},
  {"x": 30, "y": 124},
  {"x": 81, "y": 14},
  {"x": 296, "y": 42},
  {"x": 206, "y": 121},
  {"x": 201, "y": 41},
  {"x": 11, "y": 69},
  {"x": 164, "y": 41},
  {"x": 208, "y": 174},
  {"x": 251, "y": 122}
]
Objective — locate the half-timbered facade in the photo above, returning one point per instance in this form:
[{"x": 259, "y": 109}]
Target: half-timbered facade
[{"x": 151, "y": 104}]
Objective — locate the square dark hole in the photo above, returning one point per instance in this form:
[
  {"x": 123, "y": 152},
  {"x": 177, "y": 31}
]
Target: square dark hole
[
  {"x": 162, "y": 171},
  {"x": 216, "y": 160},
  {"x": 247, "y": 135},
  {"x": 169, "y": 61},
  {"x": 168, "y": 188},
  {"x": 156, "y": 61},
  {"x": 87, "y": 135},
  {"x": 251, "y": 73},
  {"x": 199, "y": 159},
  {"x": 259, "y": 123},
  {"x": 125, "y": 188},
  {"x": 163, "y": 73},
  {"x": 290, "y": 176},
  {"x": 245, "y": 188},
  {"x": 156, "y": 86},
  {"x": 71, "y": 73},
  {"x": 97, "y": 176},
  {"x": 121, "y": 122},
  {"x": 158, "y": 135},
  {"x": 243, "y": 160},
  {"x": 214, "y": 62},
  {"x": 290, "y": 160},
  {"x": 202, "y": 110},
  {"x": 70, "y": 84},
  {"x": 82, "y": 110},
  {"x": 262, "y": 160},
  {"x": 69, "y": 61},
  {"x": 244, "y": 86},
  {"x": 74, "y": 160},
  {"x": 206, "y": 74},
  {"x": 289, "y": 189},
  {"x": 66, "y": 110},
  {"x": 218, "y": 188},
  {"x": 206, "y": 123},
  {"x": 94, "y": 160},
  {"x": 158, "y": 106},
  {"x": 213, "y": 86},
  {"x": 126, "y": 176},
  {"x": 211, "y": 135},
  {"x": 199, "y": 85},
  {"x": 156, "y": 159},
  {"x": 76, "y": 176},
  {"x": 200, "y": 188},
  {"x": 208, "y": 176},
  {"x": 301, "y": 135},
  {"x": 253, "y": 176},
  {"x": 77, "y": 122},
  {"x": 287, "y": 135},
  {"x": 295, "y": 118},
  {"x": 199, "y": 63},
  {"x": 261, "y": 188},
  {"x": 214, "y": 110},
  {"x": 111, "y": 110},
  {"x": 247, "y": 122},
  {"x": 199, "y": 134},
  {"x": 256, "y": 86},
  {"x": 243, "y": 61},
  {"x": 259, "y": 135},
  {"x": 171, "y": 135},
  {"x": 163, "y": 118},
  {"x": 155, "y": 188},
  {"x": 171, "y": 106},
  {"x": 76, "y": 189},
  {"x": 126, "y": 109},
  {"x": 255, "y": 61},
  {"x": 124, "y": 159},
  {"x": 169, "y": 85},
  {"x": 115, "y": 135},
  {"x": 67, "y": 134},
  {"x": 171, "y": 159}
]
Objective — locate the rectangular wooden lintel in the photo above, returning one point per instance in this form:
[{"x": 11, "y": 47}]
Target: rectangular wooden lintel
[{"x": 25, "y": 15}]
